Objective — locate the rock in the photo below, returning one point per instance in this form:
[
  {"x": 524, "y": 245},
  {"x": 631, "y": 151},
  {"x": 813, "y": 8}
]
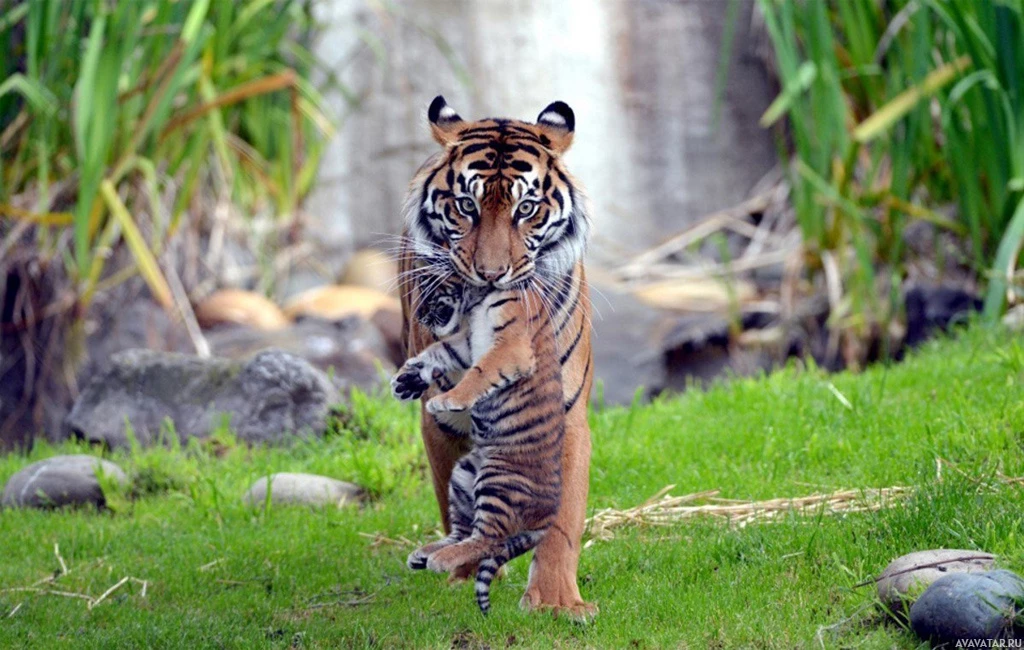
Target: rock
[
  {"x": 350, "y": 350},
  {"x": 1013, "y": 320},
  {"x": 372, "y": 269},
  {"x": 907, "y": 576},
  {"x": 271, "y": 398},
  {"x": 699, "y": 349},
  {"x": 60, "y": 481},
  {"x": 237, "y": 307},
  {"x": 389, "y": 324},
  {"x": 44, "y": 361},
  {"x": 139, "y": 323},
  {"x": 696, "y": 295},
  {"x": 304, "y": 489},
  {"x": 626, "y": 355},
  {"x": 336, "y": 302},
  {"x": 932, "y": 308},
  {"x": 970, "y": 606}
]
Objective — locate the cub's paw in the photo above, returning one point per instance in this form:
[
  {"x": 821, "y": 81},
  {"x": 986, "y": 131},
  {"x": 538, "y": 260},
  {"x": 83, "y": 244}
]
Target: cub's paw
[
  {"x": 409, "y": 383},
  {"x": 416, "y": 561},
  {"x": 446, "y": 403}
]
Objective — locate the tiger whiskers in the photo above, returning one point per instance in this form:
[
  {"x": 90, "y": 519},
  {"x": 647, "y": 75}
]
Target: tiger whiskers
[
  {"x": 565, "y": 280},
  {"x": 546, "y": 303},
  {"x": 400, "y": 240},
  {"x": 436, "y": 268},
  {"x": 426, "y": 293},
  {"x": 526, "y": 302},
  {"x": 554, "y": 286}
]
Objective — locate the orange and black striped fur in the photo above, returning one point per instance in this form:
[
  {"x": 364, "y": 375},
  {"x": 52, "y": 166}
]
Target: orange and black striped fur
[
  {"x": 497, "y": 208},
  {"x": 504, "y": 494}
]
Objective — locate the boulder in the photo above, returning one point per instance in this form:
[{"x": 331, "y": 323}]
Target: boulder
[
  {"x": 60, "y": 481},
  {"x": 692, "y": 295},
  {"x": 970, "y": 606},
  {"x": 335, "y": 302},
  {"x": 237, "y": 307},
  {"x": 699, "y": 348},
  {"x": 118, "y": 321},
  {"x": 303, "y": 489},
  {"x": 627, "y": 356},
  {"x": 271, "y": 398},
  {"x": 351, "y": 350},
  {"x": 932, "y": 308},
  {"x": 907, "y": 576},
  {"x": 1013, "y": 320},
  {"x": 389, "y": 324},
  {"x": 372, "y": 269}
]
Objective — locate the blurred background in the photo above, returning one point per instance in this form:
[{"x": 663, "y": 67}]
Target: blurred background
[{"x": 770, "y": 179}]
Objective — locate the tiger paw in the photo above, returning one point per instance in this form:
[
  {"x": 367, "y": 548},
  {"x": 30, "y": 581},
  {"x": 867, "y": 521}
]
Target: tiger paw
[
  {"x": 445, "y": 403},
  {"x": 410, "y": 382},
  {"x": 416, "y": 561},
  {"x": 445, "y": 560}
]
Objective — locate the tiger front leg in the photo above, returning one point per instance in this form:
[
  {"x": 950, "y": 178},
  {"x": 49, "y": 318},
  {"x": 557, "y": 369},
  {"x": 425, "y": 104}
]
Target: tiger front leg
[
  {"x": 418, "y": 373},
  {"x": 500, "y": 367}
]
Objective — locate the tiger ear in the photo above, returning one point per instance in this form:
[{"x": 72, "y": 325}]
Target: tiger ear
[
  {"x": 557, "y": 123},
  {"x": 445, "y": 123}
]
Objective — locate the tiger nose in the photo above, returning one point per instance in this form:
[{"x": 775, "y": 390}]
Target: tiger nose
[{"x": 491, "y": 274}]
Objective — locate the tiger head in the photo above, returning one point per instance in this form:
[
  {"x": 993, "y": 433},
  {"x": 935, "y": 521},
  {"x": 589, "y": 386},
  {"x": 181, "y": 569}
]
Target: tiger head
[
  {"x": 497, "y": 201},
  {"x": 448, "y": 303}
]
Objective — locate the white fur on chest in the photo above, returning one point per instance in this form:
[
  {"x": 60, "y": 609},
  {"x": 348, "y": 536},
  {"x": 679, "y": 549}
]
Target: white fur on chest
[{"x": 481, "y": 329}]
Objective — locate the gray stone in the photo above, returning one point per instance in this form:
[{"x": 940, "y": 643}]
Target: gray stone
[
  {"x": 970, "y": 606},
  {"x": 932, "y": 308},
  {"x": 271, "y": 398},
  {"x": 909, "y": 575},
  {"x": 1013, "y": 320},
  {"x": 352, "y": 349},
  {"x": 699, "y": 349},
  {"x": 303, "y": 489},
  {"x": 60, "y": 481},
  {"x": 624, "y": 340}
]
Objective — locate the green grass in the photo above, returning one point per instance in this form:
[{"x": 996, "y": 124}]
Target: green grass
[{"x": 222, "y": 574}]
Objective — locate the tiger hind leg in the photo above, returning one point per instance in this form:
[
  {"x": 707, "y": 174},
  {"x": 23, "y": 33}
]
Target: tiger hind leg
[
  {"x": 417, "y": 560},
  {"x": 460, "y": 512},
  {"x": 512, "y": 548},
  {"x": 467, "y": 552}
]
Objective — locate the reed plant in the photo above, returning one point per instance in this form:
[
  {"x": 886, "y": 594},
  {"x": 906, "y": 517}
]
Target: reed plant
[
  {"x": 114, "y": 114},
  {"x": 895, "y": 110}
]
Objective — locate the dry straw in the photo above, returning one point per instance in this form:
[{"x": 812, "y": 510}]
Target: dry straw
[
  {"x": 44, "y": 587},
  {"x": 663, "y": 509}
]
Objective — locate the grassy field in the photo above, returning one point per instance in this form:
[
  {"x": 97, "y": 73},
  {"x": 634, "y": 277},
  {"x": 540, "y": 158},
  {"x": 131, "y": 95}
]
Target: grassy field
[{"x": 221, "y": 574}]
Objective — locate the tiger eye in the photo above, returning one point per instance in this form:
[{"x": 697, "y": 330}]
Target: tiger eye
[
  {"x": 467, "y": 205},
  {"x": 526, "y": 208}
]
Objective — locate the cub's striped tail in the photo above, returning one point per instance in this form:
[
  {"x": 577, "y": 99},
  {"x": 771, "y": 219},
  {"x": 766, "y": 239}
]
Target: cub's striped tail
[{"x": 512, "y": 548}]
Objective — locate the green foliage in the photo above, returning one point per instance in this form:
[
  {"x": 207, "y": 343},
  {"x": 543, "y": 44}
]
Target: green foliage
[
  {"x": 119, "y": 109},
  {"x": 222, "y": 573},
  {"x": 895, "y": 109}
]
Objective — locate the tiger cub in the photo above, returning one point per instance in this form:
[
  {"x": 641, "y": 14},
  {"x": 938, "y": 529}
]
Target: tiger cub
[{"x": 504, "y": 493}]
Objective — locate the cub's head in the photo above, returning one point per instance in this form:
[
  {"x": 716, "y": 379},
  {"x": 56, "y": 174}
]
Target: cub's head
[
  {"x": 443, "y": 311},
  {"x": 497, "y": 200}
]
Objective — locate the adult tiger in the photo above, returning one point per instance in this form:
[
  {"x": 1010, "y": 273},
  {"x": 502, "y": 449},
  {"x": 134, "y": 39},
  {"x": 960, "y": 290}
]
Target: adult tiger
[{"x": 498, "y": 207}]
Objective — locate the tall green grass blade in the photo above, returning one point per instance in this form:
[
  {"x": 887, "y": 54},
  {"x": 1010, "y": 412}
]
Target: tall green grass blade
[
  {"x": 805, "y": 76},
  {"x": 194, "y": 21},
  {"x": 38, "y": 96},
  {"x": 897, "y": 108},
  {"x": 1006, "y": 259},
  {"x": 144, "y": 258}
]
